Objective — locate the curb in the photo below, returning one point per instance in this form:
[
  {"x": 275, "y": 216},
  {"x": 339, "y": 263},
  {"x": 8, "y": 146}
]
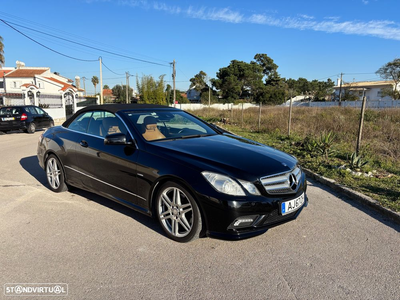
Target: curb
[{"x": 353, "y": 195}]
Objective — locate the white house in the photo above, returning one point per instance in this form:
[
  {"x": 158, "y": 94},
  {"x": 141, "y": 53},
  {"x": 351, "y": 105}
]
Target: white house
[
  {"x": 371, "y": 89},
  {"x": 39, "y": 86},
  {"x": 3, "y": 71}
]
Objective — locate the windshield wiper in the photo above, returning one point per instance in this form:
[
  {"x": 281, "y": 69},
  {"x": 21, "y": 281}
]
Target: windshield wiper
[{"x": 194, "y": 136}]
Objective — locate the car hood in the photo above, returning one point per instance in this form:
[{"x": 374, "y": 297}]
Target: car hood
[{"x": 227, "y": 154}]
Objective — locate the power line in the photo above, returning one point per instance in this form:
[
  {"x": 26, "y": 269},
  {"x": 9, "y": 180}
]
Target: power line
[
  {"x": 84, "y": 45},
  {"x": 55, "y": 51},
  {"x": 110, "y": 69}
]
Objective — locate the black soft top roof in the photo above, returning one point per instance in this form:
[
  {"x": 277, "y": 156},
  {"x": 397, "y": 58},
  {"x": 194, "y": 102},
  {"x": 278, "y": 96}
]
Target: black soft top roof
[{"x": 117, "y": 107}]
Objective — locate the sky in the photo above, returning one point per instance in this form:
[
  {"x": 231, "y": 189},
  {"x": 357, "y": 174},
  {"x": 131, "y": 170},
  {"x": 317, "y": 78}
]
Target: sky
[{"x": 311, "y": 39}]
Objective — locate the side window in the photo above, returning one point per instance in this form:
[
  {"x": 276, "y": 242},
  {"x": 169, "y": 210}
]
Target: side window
[
  {"x": 110, "y": 124},
  {"x": 81, "y": 122},
  {"x": 31, "y": 110},
  {"x": 39, "y": 110}
]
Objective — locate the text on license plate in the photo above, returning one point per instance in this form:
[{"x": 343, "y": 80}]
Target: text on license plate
[
  {"x": 292, "y": 205},
  {"x": 8, "y": 119}
]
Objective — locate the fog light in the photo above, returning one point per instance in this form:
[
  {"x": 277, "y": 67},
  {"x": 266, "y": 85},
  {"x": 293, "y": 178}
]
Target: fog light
[
  {"x": 245, "y": 221},
  {"x": 241, "y": 221}
]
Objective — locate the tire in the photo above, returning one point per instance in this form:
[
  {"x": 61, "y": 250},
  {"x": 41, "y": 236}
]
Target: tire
[
  {"x": 31, "y": 128},
  {"x": 178, "y": 213},
  {"x": 55, "y": 174}
]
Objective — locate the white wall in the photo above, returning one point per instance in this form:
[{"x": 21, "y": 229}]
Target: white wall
[{"x": 227, "y": 106}]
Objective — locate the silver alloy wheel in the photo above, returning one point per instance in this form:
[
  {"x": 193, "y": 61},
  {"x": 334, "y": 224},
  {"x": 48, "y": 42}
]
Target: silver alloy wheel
[
  {"x": 175, "y": 212},
  {"x": 53, "y": 173}
]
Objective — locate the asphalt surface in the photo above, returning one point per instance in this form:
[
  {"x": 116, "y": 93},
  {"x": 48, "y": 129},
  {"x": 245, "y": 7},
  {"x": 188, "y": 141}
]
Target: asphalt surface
[{"x": 336, "y": 249}]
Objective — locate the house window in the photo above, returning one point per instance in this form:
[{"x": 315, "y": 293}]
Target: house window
[
  {"x": 16, "y": 84},
  {"x": 1, "y": 85},
  {"x": 380, "y": 93}
]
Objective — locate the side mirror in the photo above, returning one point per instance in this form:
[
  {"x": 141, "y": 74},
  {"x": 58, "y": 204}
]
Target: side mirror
[{"x": 116, "y": 139}]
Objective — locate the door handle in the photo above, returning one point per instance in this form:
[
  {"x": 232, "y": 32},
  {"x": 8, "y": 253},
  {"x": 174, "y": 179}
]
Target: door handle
[{"x": 84, "y": 144}]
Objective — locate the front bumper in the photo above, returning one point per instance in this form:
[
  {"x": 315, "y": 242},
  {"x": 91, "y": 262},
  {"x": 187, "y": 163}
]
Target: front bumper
[{"x": 258, "y": 213}]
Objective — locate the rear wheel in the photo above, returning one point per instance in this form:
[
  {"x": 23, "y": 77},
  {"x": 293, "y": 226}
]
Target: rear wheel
[
  {"x": 178, "y": 213},
  {"x": 55, "y": 174},
  {"x": 31, "y": 128}
]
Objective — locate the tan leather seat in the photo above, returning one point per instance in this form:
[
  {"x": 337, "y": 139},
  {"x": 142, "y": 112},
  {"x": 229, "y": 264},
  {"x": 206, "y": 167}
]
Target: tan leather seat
[
  {"x": 109, "y": 125},
  {"x": 151, "y": 131}
]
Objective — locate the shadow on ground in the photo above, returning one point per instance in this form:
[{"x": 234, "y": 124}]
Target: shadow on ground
[{"x": 31, "y": 165}]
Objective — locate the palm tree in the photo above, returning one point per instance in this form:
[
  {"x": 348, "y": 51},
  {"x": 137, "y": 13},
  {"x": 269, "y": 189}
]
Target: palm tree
[
  {"x": 2, "y": 61},
  {"x": 95, "y": 81}
]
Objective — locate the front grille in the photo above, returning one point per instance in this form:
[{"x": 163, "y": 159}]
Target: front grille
[{"x": 286, "y": 183}]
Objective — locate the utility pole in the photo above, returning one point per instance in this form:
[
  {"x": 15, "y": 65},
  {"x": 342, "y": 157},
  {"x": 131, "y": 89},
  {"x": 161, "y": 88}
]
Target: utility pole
[
  {"x": 340, "y": 89},
  {"x": 127, "y": 87},
  {"x": 101, "y": 82},
  {"x": 173, "y": 78},
  {"x": 84, "y": 86}
]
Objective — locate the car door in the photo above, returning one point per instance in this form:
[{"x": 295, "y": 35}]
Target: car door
[
  {"x": 33, "y": 116},
  {"x": 43, "y": 117},
  {"x": 110, "y": 170}
]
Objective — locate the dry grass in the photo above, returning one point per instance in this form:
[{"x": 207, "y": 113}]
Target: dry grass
[
  {"x": 380, "y": 142},
  {"x": 381, "y": 133}
]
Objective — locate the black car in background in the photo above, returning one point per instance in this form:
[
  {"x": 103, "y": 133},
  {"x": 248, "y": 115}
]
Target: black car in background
[
  {"x": 167, "y": 163},
  {"x": 26, "y": 117}
]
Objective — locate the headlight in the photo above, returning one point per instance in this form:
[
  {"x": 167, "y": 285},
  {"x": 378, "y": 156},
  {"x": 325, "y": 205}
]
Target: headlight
[
  {"x": 251, "y": 188},
  {"x": 223, "y": 184}
]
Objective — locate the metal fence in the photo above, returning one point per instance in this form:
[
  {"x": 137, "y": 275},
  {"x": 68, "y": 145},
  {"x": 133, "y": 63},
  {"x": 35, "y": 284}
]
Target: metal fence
[
  {"x": 50, "y": 101},
  {"x": 12, "y": 99}
]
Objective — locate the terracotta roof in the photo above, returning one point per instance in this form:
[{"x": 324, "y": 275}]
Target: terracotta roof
[
  {"x": 26, "y": 72},
  {"x": 107, "y": 92},
  {"x": 65, "y": 85},
  {"x": 4, "y": 72},
  {"x": 28, "y": 85}
]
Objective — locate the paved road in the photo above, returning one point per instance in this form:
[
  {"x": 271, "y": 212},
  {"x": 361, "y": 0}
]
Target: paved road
[{"x": 334, "y": 250}]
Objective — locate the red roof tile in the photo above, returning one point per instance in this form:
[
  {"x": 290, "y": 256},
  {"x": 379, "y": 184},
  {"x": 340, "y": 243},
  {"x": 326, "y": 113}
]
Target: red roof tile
[
  {"x": 26, "y": 72},
  {"x": 65, "y": 85},
  {"x": 3, "y": 72},
  {"x": 107, "y": 92},
  {"x": 28, "y": 85}
]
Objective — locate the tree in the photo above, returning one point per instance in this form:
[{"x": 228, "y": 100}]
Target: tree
[
  {"x": 2, "y": 60},
  {"x": 198, "y": 82},
  {"x": 106, "y": 87},
  {"x": 317, "y": 90},
  {"x": 150, "y": 90},
  {"x": 238, "y": 80},
  {"x": 119, "y": 91},
  {"x": 391, "y": 71},
  {"x": 267, "y": 64},
  {"x": 95, "y": 81}
]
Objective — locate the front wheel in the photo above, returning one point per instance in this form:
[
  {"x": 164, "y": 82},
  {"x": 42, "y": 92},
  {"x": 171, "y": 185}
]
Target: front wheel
[
  {"x": 178, "y": 213},
  {"x": 55, "y": 174}
]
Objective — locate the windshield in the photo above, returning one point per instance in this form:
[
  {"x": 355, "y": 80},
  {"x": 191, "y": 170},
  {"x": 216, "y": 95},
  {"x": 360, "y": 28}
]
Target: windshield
[{"x": 163, "y": 125}]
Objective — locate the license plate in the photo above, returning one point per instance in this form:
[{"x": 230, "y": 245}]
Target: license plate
[
  {"x": 292, "y": 205},
  {"x": 8, "y": 119}
]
